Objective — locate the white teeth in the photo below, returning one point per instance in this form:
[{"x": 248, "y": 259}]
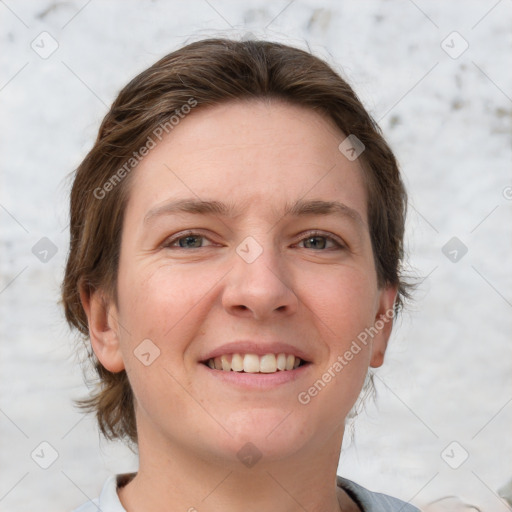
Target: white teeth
[
  {"x": 237, "y": 363},
  {"x": 226, "y": 364},
  {"x": 251, "y": 363},
  {"x": 268, "y": 363},
  {"x": 281, "y": 361}
]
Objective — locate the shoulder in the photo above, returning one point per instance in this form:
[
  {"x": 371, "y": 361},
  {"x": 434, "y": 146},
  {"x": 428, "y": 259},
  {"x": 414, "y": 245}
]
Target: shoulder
[
  {"x": 370, "y": 501},
  {"x": 108, "y": 500},
  {"x": 90, "y": 506}
]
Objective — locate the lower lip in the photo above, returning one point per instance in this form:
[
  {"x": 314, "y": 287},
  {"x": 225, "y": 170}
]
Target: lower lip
[{"x": 257, "y": 380}]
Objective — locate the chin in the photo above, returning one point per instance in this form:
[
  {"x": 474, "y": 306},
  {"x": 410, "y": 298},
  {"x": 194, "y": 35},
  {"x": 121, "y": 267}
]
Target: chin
[{"x": 266, "y": 434}]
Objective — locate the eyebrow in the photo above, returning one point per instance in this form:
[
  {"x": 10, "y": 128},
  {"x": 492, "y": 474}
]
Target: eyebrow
[{"x": 298, "y": 209}]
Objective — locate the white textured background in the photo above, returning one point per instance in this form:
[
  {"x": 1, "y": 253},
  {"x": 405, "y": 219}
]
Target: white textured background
[{"x": 447, "y": 376}]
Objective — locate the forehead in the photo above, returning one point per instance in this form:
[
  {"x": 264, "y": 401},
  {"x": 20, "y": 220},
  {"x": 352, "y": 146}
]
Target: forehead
[{"x": 253, "y": 153}]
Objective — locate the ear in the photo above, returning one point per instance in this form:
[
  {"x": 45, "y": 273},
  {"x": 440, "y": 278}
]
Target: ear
[
  {"x": 383, "y": 324},
  {"x": 103, "y": 328}
]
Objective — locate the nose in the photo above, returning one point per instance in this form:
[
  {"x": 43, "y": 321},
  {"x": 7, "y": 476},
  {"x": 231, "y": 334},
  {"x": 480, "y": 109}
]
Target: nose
[{"x": 259, "y": 288}]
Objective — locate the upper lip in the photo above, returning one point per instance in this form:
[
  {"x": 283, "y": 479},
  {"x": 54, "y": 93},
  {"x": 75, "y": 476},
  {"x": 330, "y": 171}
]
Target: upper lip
[{"x": 258, "y": 348}]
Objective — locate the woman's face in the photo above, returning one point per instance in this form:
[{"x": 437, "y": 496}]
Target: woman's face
[{"x": 246, "y": 233}]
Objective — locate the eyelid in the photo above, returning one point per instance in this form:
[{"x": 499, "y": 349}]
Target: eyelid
[
  {"x": 303, "y": 236},
  {"x": 329, "y": 236},
  {"x": 183, "y": 234}
]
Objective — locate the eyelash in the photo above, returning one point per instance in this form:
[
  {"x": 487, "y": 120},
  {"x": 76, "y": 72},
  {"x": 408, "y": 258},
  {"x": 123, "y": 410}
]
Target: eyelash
[{"x": 310, "y": 234}]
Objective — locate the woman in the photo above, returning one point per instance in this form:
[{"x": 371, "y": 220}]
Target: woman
[{"x": 236, "y": 240}]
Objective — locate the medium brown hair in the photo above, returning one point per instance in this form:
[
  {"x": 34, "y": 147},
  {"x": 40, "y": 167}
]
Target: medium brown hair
[{"x": 208, "y": 72}]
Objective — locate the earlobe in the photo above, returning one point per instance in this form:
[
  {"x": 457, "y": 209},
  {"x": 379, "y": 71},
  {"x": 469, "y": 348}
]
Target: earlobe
[
  {"x": 383, "y": 325},
  {"x": 103, "y": 328}
]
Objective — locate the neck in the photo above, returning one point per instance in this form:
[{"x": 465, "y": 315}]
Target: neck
[{"x": 176, "y": 479}]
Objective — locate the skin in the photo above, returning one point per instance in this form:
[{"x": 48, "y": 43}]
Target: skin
[{"x": 188, "y": 300}]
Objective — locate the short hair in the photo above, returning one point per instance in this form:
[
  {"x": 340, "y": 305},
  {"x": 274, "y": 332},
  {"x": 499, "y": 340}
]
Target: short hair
[{"x": 207, "y": 73}]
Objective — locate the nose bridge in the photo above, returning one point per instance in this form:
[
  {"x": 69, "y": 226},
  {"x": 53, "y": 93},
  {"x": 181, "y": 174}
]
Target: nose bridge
[
  {"x": 259, "y": 261},
  {"x": 259, "y": 281}
]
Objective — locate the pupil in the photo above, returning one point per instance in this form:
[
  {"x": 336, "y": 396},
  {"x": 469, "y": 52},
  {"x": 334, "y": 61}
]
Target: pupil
[
  {"x": 313, "y": 238},
  {"x": 187, "y": 239}
]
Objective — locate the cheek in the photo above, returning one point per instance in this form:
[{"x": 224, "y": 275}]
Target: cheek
[
  {"x": 343, "y": 301},
  {"x": 344, "y": 307},
  {"x": 160, "y": 302},
  {"x": 163, "y": 306}
]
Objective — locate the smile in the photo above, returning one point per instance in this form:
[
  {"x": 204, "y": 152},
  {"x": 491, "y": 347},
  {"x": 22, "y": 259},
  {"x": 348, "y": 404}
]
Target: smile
[{"x": 252, "y": 363}]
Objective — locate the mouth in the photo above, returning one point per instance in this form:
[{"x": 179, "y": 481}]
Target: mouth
[{"x": 253, "y": 363}]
